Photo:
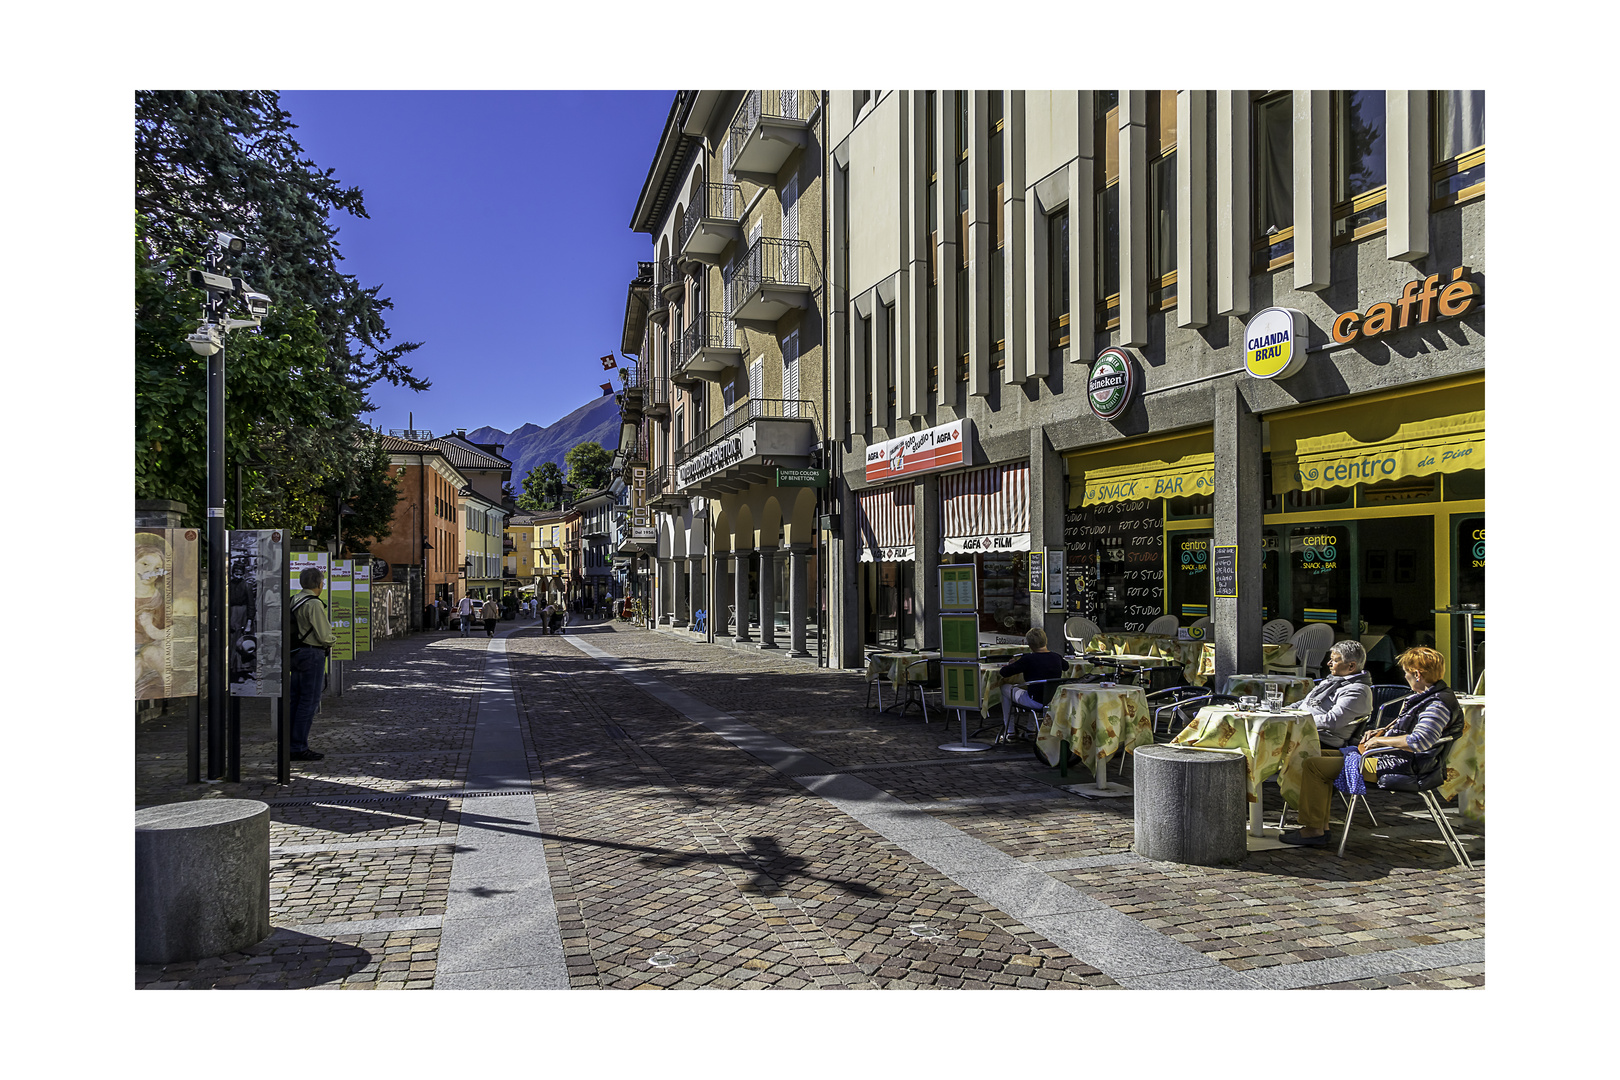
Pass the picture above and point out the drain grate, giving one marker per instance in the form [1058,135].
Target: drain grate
[341,800]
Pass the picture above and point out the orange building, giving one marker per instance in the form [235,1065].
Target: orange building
[426,532]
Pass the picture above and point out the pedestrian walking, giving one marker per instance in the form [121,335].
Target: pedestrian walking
[312,641]
[490,613]
[464,612]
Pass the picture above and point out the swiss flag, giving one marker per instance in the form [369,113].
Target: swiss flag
[609,362]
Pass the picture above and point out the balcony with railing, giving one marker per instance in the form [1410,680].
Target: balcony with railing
[658,307]
[643,394]
[713,222]
[770,126]
[747,446]
[710,345]
[776,276]
[671,282]
[661,490]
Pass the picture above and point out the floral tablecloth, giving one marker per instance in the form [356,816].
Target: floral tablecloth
[1095,720]
[1275,656]
[1294,687]
[1165,646]
[990,682]
[1465,768]
[1273,744]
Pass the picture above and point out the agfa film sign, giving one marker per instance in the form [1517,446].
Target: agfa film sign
[1274,343]
[948,446]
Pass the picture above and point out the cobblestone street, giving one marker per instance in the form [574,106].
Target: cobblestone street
[696,816]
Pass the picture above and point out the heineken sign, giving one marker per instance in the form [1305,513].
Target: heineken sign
[1113,384]
[815,478]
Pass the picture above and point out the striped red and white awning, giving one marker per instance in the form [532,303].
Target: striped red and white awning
[985,510]
[887,525]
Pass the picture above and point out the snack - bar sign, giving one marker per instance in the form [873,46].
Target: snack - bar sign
[949,446]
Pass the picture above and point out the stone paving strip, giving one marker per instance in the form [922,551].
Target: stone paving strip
[1130,950]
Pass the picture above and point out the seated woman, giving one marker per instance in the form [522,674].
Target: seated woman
[1424,717]
[1038,664]
[1342,700]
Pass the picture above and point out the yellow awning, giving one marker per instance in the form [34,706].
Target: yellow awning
[1190,477]
[1418,435]
[1172,466]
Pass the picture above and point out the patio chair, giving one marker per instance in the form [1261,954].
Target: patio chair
[880,681]
[1310,645]
[1181,705]
[1043,691]
[700,621]
[933,682]
[1384,696]
[1164,624]
[1077,630]
[1277,632]
[1428,773]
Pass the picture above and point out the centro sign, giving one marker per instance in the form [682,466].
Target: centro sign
[1112,385]
[1274,343]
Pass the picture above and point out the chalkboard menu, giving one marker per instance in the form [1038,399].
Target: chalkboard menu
[1124,543]
[1225,583]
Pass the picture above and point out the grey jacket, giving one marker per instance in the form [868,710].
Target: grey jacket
[1339,703]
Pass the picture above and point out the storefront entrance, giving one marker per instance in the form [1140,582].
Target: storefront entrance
[889,600]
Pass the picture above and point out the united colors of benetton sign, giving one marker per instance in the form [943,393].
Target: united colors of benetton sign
[949,446]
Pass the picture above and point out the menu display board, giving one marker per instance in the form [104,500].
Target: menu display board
[1225,571]
[958,589]
[1037,575]
[960,685]
[959,637]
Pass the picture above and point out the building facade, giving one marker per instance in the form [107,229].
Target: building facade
[729,334]
[1217,353]
[427,526]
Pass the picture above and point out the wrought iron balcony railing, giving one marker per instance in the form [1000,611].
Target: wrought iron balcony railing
[773,261]
[772,108]
[709,330]
[715,203]
[745,413]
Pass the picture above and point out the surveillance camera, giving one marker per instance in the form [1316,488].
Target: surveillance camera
[233,244]
[205,342]
[258,304]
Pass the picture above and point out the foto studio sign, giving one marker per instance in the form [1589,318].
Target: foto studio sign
[1274,343]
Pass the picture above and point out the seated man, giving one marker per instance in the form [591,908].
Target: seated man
[1344,699]
[1037,665]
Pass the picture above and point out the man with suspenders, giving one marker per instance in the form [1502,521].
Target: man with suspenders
[312,640]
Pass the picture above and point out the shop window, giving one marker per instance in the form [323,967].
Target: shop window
[1458,139]
[1469,484]
[963,248]
[1272,180]
[1161,238]
[998,230]
[1106,193]
[1319,568]
[1187,564]
[933,243]
[1409,489]
[1358,164]
[1182,509]
[1003,591]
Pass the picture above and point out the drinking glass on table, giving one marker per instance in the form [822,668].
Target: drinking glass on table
[1274,696]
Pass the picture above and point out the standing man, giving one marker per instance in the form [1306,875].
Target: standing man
[465,611]
[312,641]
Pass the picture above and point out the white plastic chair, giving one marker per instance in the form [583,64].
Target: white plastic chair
[1311,644]
[1077,630]
[1277,632]
[1164,624]
[1203,624]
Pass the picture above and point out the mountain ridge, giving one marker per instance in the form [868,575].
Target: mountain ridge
[529,446]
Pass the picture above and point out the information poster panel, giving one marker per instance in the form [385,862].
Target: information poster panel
[300,561]
[1225,572]
[255,576]
[958,588]
[1054,579]
[342,609]
[362,603]
[961,685]
[165,613]
[959,636]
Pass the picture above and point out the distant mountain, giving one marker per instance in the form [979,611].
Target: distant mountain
[531,445]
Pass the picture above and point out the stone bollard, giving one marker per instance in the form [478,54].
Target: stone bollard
[202,879]
[1191,805]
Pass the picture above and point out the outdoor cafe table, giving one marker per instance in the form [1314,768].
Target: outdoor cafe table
[990,680]
[1294,687]
[1097,722]
[1275,656]
[901,667]
[1273,744]
[1167,646]
[1465,768]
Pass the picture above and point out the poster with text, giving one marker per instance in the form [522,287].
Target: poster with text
[341,609]
[165,613]
[300,561]
[255,599]
[362,603]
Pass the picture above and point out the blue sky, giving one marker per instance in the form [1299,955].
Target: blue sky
[500,229]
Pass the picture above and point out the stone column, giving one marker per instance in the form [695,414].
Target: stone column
[694,586]
[1239,506]
[682,607]
[925,590]
[666,591]
[767,597]
[798,597]
[739,567]
[1045,524]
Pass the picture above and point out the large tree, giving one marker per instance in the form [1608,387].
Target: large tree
[588,467]
[296,389]
[542,488]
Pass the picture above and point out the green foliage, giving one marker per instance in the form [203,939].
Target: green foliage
[542,488]
[588,467]
[296,388]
